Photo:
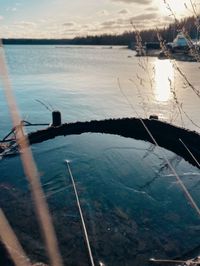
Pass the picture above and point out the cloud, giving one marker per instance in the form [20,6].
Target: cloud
[143,17]
[142,2]
[108,23]
[42,20]
[69,24]
[13,9]
[1,17]
[102,13]
[151,8]
[124,11]
[121,24]
[24,24]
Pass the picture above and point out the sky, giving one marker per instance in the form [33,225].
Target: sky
[70,18]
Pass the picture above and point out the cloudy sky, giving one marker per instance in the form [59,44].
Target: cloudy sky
[70,18]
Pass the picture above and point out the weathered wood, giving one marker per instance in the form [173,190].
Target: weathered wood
[165,134]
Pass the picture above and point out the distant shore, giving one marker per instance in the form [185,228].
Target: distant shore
[75,41]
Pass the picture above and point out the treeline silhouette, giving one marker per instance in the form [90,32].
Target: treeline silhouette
[128,38]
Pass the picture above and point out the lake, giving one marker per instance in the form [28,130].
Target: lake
[133,206]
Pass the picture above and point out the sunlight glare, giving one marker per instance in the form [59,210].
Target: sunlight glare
[164,78]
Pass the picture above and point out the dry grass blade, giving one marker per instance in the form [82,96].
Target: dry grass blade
[189,151]
[31,171]
[11,243]
[81,215]
[179,181]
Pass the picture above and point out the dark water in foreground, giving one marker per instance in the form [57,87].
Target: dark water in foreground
[133,207]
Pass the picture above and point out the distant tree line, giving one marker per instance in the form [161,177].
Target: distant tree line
[169,33]
[127,38]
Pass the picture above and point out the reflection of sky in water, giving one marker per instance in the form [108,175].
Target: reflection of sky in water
[164,79]
[82,84]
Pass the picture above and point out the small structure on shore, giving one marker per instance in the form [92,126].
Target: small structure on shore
[154,117]
[149,49]
[152,48]
[56,119]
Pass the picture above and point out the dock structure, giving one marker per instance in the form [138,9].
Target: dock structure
[167,135]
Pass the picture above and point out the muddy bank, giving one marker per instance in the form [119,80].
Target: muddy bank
[166,135]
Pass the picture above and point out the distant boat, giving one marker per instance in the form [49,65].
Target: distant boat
[181,49]
[179,44]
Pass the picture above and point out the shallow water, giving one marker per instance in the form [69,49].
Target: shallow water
[133,206]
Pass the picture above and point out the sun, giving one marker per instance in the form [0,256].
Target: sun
[179,7]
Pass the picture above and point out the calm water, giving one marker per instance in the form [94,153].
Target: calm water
[83,84]
[133,206]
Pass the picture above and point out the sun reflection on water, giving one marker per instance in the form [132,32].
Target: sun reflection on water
[164,80]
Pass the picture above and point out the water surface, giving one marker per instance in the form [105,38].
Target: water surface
[133,207]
